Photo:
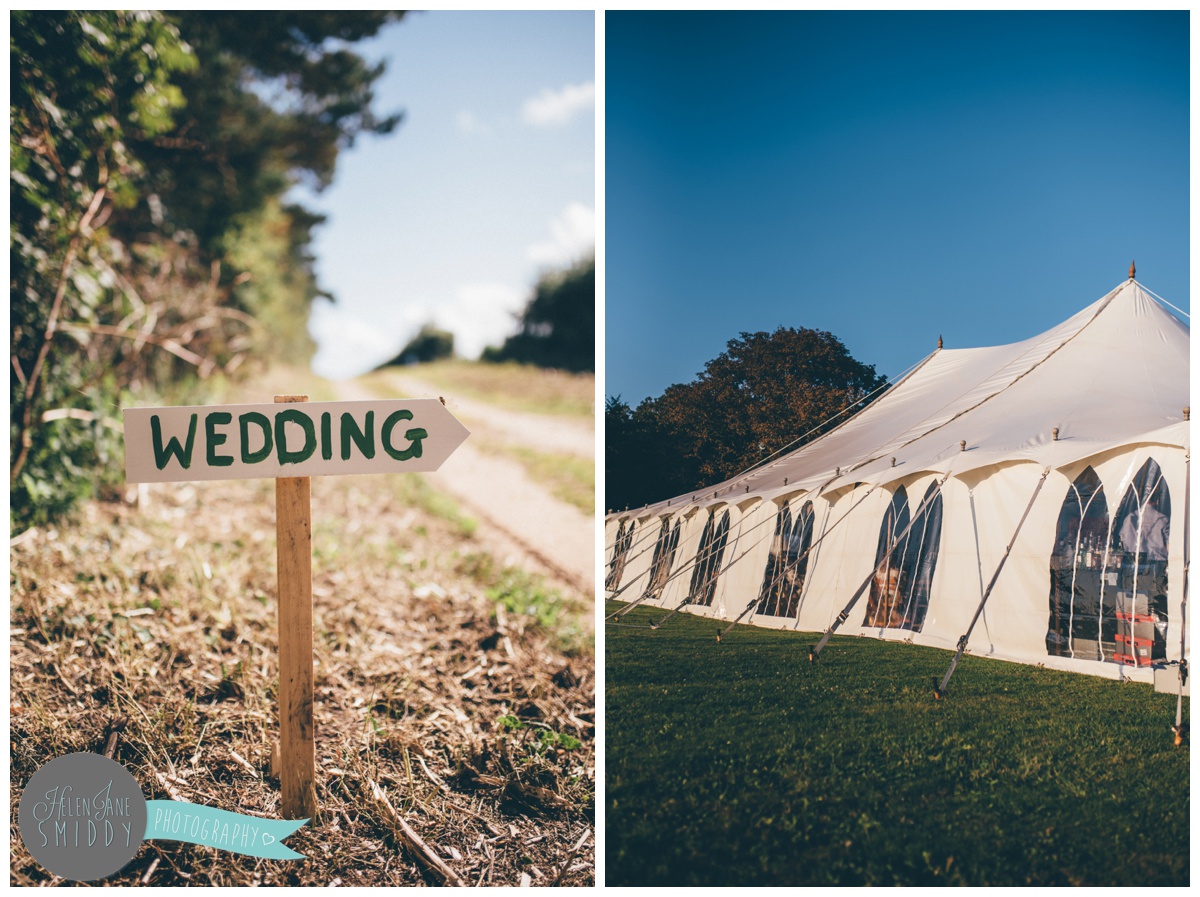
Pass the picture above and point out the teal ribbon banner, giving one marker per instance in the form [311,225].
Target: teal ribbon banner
[174,820]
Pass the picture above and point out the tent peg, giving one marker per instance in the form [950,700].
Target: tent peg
[1054,433]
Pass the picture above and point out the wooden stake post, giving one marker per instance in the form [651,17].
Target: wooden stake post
[297,748]
[182,444]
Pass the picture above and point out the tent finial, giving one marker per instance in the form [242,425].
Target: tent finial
[1132,271]
[939,341]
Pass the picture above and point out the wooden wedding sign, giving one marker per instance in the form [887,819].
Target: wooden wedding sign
[290,444]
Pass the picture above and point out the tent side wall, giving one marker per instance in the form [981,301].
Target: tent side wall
[980,514]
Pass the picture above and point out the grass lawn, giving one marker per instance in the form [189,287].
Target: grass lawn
[738,763]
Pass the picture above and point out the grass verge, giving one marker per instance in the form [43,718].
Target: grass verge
[738,763]
[514,591]
[518,387]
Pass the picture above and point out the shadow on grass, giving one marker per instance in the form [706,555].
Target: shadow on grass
[739,763]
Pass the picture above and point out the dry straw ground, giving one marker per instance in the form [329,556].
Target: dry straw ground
[455,696]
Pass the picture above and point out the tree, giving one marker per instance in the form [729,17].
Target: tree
[82,84]
[429,344]
[149,236]
[273,99]
[761,395]
[558,325]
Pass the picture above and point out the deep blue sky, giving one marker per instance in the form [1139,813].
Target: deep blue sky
[887,177]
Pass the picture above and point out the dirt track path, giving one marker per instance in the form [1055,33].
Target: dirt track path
[518,517]
[537,431]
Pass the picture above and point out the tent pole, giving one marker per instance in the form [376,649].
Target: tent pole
[939,690]
[815,651]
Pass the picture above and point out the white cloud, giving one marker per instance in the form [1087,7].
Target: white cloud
[348,346]
[572,235]
[557,107]
[469,124]
[478,314]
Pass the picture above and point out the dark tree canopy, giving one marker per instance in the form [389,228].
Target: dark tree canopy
[430,344]
[760,395]
[558,326]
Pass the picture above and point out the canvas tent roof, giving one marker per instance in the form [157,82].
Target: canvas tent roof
[1113,374]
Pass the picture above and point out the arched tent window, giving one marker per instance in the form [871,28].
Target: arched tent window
[1077,571]
[887,573]
[787,564]
[900,589]
[616,565]
[664,556]
[1137,569]
[708,560]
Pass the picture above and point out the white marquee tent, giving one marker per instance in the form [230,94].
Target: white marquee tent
[1044,481]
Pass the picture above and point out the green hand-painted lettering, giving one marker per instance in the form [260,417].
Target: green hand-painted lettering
[161,455]
[264,424]
[212,438]
[364,440]
[326,435]
[286,455]
[415,435]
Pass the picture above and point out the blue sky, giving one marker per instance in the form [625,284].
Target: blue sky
[489,180]
[887,177]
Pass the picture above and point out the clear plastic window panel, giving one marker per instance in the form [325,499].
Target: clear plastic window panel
[1108,579]
[708,561]
[664,556]
[905,563]
[1077,571]
[787,563]
[1137,569]
[616,566]
[888,555]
